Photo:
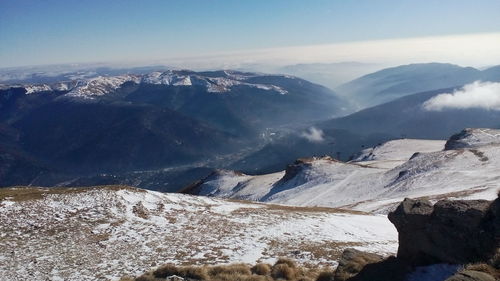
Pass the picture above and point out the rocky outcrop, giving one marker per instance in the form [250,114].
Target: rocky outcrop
[457,232]
[471,137]
[454,232]
[390,269]
[294,169]
[352,262]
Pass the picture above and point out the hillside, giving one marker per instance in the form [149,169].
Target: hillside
[103,233]
[378,178]
[408,117]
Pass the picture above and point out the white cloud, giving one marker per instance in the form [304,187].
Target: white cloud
[485,95]
[313,135]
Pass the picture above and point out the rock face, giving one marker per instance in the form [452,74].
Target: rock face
[457,232]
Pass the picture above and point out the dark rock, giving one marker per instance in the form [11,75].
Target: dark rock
[390,269]
[470,275]
[352,262]
[456,140]
[456,232]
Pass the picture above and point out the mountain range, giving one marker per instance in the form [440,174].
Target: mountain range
[164,129]
[104,127]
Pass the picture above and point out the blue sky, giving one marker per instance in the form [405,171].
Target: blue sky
[36,32]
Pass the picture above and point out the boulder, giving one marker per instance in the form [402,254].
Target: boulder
[390,269]
[352,262]
[456,232]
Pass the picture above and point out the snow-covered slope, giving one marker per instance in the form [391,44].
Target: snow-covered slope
[101,85]
[104,233]
[378,178]
[396,152]
[470,138]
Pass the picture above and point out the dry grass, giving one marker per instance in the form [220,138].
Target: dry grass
[192,272]
[311,209]
[25,193]
[283,269]
[292,209]
[261,269]
[233,269]
[308,250]
[286,261]
[485,268]
[326,276]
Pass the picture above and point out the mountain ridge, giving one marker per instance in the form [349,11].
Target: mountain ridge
[377,179]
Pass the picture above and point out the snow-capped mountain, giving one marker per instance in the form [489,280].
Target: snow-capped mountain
[102,85]
[378,178]
[116,129]
[104,233]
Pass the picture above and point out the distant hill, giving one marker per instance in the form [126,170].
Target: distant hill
[329,74]
[392,83]
[406,117]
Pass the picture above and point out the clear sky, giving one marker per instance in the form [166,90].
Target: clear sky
[36,32]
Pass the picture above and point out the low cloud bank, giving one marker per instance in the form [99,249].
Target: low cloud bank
[313,135]
[483,95]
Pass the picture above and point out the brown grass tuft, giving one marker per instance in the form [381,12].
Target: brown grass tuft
[165,271]
[326,276]
[286,261]
[283,271]
[193,272]
[261,269]
[232,269]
